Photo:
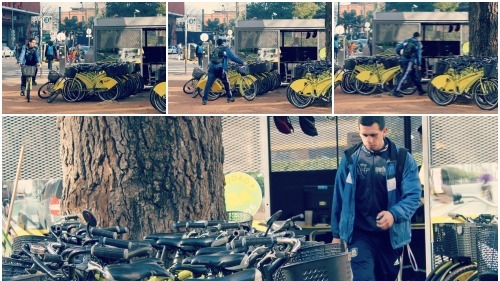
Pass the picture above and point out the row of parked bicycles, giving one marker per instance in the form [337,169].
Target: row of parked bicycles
[312,81]
[459,76]
[256,78]
[222,250]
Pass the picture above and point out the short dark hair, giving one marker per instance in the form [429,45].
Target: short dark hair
[31,39]
[370,120]
[220,42]
[416,34]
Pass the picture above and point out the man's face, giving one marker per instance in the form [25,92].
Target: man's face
[372,136]
[32,43]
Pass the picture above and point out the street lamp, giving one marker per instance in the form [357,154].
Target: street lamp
[272,16]
[136,12]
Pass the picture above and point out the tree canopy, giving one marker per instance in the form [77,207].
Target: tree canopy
[122,9]
[265,10]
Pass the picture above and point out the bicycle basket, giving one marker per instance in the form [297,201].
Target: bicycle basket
[299,72]
[456,239]
[53,76]
[350,64]
[70,72]
[243,70]
[332,268]
[441,67]
[241,217]
[487,249]
[198,73]
[491,70]
[390,62]
[28,70]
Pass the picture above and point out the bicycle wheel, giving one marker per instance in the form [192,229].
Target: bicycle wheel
[439,270]
[407,88]
[53,96]
[297,99]
[159,103]
[365,88]
[45,90]
[28,88]
[347,85]
[196,93]
[485,92]
[190,86]
[247,88]
[439,97]
[461,273]
[72,90]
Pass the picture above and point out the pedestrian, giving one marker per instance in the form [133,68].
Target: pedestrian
[336,46]
[217,68]
[29,56]
[17,51]
[369,43]
[410,52]
[179,51]
[50,54]
[351,48]
[199,53]
[375,195]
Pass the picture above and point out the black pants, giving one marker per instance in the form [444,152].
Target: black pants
[200,59]
[213,74]
[23,78]
[375,258]
[409,71]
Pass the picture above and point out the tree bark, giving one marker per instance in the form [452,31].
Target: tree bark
[483,28]
[328,29]
[144,173]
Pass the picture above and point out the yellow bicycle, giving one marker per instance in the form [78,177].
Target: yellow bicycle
[238,80]
[316,84]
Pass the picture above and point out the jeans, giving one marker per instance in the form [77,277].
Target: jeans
[200,60]
[49,64]
[213,74]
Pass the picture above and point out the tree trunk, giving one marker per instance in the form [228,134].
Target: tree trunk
[144,173]
[328,30]
[483,28]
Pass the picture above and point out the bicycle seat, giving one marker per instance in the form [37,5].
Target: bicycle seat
[216,261]
[198,242]
[197,270]
[135,271]
[156,236]
[245,275]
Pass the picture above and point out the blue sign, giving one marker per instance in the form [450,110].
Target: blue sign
[46,20]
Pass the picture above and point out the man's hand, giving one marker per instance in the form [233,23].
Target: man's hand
[385,220]
[245,63]
[336,241]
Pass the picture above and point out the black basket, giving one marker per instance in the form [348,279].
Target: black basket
[456,239]
[243,70]
[53,76]
[241,217]
[332,268]
[198,73]
[350,64]
[487,249]
[491,70]
[441,67]
[390,62]
[254,68]
[28,70]
[299,72]
[274,66]
[161,74]
[70,72]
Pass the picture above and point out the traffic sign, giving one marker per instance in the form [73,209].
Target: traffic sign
[230,32]
[46,19]
[89,31]
[204,37]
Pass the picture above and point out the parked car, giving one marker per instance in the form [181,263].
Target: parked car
[49,210]
[172,50]
[7,52]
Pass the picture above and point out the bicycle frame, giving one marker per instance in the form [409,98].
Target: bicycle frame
[161,89]
[377,76]
[456,85]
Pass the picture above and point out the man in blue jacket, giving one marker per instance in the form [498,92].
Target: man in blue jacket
[217,68]
[29,56]
[371,209]
[411,62]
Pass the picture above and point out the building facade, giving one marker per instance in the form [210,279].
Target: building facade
[16,22]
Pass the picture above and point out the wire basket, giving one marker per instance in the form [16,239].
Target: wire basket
[241,217]
[28,70]
[198,73]
[441,67]
[332,268]
[299,72]
[487,249]
[456,239]
[491,70]
[53,76]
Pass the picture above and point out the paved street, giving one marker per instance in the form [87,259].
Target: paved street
[13,103]
[269,103]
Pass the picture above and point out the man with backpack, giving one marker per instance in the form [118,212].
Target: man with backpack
[199,53]
[50,54]
[29,56]
[377,190]
[217,68]
[411,60]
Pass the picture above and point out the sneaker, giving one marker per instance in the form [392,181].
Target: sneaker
[423,93]
[34,83]
[22,93]
[204,102]
[230,100]
[396,94]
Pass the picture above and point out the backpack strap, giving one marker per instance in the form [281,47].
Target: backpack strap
[349,152]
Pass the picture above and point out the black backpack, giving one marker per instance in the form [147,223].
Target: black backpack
[217,55]
[410,49]
[400,160]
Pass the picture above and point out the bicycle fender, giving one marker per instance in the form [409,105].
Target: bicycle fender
[59,85]
[441,81]
[338,77]
[389,74]
[106,83]
[465,84]
[367,76]
[298,85]
[161,89]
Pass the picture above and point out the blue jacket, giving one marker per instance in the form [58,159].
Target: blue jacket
[416,59]
[22,56]
[227,55]
[402,206]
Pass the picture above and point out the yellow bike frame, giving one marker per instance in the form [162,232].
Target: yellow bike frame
[456,84]
[378,76]
[161,89]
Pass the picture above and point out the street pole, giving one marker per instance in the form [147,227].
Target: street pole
[185,43]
